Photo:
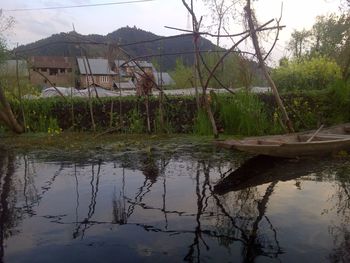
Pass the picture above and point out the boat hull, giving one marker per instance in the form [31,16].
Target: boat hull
[332,140]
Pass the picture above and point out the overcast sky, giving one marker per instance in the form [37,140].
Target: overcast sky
[151,16]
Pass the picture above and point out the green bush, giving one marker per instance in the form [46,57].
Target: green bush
[307,74]
[339,97]
[245,114]
[202,125]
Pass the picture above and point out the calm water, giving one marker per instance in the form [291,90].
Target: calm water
[156,207]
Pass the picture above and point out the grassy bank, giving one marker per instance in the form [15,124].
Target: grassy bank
[242,114]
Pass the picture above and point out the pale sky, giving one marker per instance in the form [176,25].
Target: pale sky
[150,16]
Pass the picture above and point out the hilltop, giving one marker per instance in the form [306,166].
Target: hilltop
[65,44]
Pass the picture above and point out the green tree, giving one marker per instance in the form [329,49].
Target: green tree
[299,42]
[307,74]
[182,75]
[329,37]
[6,115]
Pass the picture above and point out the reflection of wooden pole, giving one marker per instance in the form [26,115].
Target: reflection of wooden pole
[147,113]
[255,40]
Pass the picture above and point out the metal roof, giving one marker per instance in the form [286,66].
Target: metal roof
[119,62]
[142,63]
[165,77]
[99,66]
[145,64]
[125,85]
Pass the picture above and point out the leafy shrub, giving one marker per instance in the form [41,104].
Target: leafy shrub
[202,125]
[245,114]
[313,74]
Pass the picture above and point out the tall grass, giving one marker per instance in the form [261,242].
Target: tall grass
[202,125]
[244,114]
[136,122]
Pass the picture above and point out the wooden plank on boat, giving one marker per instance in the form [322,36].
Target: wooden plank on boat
[313,136]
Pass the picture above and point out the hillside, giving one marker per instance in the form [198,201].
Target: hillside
[65,44]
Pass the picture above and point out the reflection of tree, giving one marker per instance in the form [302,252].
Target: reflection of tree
[341,232]
[30,192]
[85,224]
[151,170]
[194,248]
[8,214]
[119,204]
[242,227]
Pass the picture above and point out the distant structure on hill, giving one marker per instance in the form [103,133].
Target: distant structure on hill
[82,72]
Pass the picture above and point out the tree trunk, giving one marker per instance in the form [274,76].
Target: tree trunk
[7,115]
[196,37]
[254,37]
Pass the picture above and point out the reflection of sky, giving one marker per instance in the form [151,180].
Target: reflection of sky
[302,226]
[296,215]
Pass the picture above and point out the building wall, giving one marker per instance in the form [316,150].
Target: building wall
[104,81]
[59,77]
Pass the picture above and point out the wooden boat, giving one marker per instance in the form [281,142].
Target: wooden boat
[310,143]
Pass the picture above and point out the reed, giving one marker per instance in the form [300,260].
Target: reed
[243,114]
[202,125]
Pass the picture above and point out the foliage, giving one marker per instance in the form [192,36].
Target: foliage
[202,125]
[299,42]
[316,73]
[329,37]
[136,123]
[240,114]
[245,114]
[6,22]
[339,97]
[182,75]
[164,127]
[235,71]
[304,110]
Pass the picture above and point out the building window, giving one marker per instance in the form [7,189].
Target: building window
[53,71]
[89,79]
[62,70]
[43,69]
[103,79]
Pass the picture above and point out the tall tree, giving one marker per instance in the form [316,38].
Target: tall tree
[329,37]
[6,114]
[299,42]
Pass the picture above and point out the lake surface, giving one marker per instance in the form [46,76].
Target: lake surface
[163,206]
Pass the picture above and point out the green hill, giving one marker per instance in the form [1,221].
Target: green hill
[68,44]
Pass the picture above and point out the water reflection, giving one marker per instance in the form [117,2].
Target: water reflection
[156,207]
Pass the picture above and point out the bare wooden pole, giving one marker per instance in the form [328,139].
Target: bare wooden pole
[196,37]
[255,40]
[161,93]
[20,95]
[90,99]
